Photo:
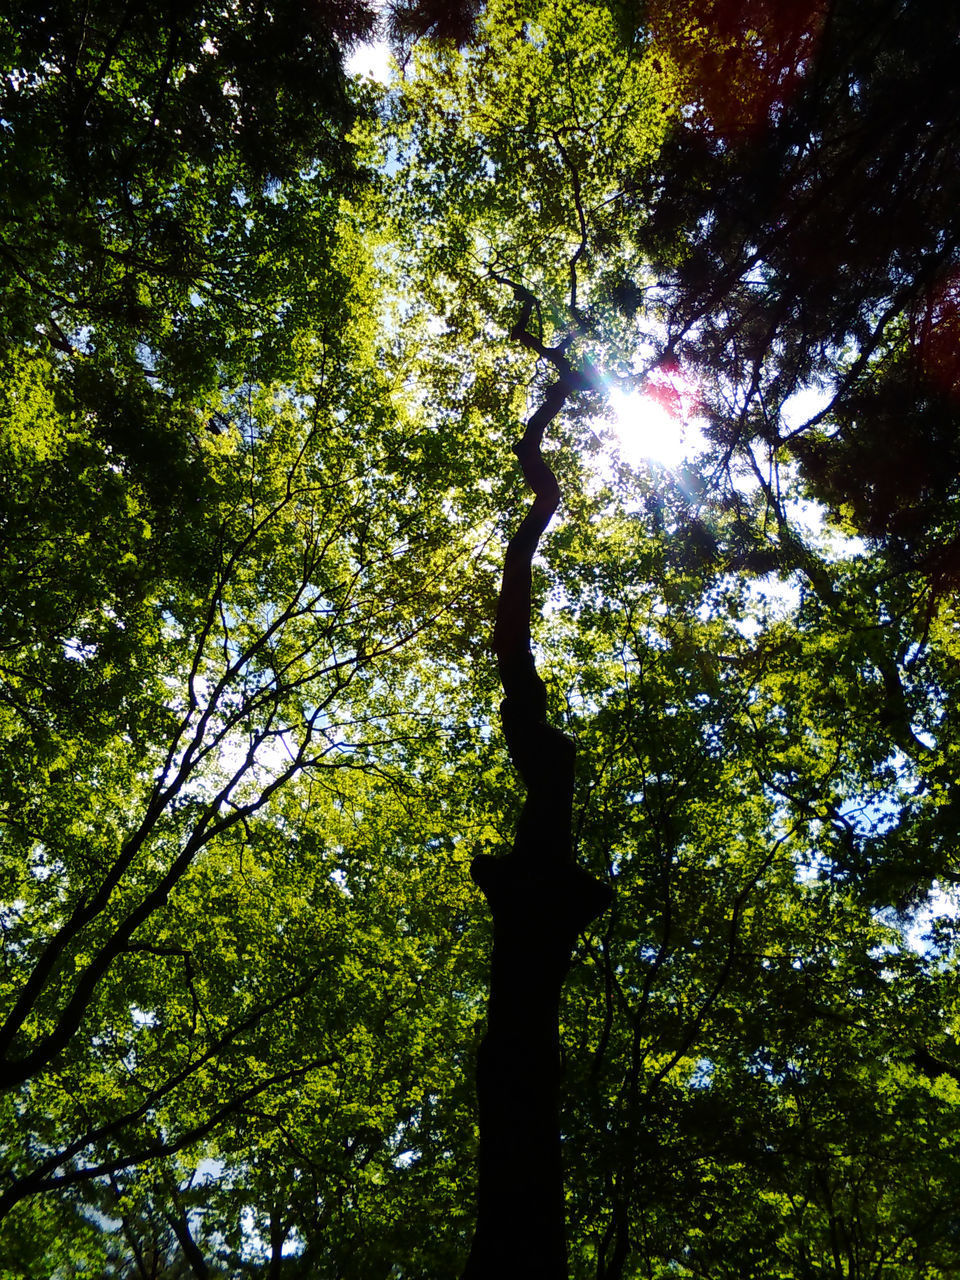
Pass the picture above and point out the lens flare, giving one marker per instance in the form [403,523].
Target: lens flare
[658,422]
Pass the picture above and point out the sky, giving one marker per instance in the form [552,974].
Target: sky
[370,59]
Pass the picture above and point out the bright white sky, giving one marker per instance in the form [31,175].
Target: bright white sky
[647,430]
[372,60]
[659,421]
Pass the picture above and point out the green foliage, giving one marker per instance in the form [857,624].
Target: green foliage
[742,1032]
[257,393]
[519,154]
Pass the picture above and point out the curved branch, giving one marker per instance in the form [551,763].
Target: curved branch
[581,219]
[541,754]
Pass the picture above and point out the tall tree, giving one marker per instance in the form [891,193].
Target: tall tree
[541,901]
[697,257]
[203,595]
[252,495]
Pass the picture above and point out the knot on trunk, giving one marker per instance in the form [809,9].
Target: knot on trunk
[546,906]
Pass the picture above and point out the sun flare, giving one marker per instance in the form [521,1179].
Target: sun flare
[658,423]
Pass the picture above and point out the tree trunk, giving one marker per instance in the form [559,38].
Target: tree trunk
[541,901]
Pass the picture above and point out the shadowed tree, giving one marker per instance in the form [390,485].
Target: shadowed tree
[206,573]
[541,901]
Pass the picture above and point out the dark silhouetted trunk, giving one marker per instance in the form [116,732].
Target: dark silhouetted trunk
[540,901]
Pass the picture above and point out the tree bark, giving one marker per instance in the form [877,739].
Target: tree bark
[541,901]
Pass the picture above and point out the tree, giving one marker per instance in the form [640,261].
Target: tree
[541,900]
[201,603]
[281,543]
[738,302]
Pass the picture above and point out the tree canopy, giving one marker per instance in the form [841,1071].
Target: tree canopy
[269,333]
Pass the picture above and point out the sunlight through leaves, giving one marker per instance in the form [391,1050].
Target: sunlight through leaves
[659,423]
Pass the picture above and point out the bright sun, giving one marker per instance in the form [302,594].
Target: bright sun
[659,423]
